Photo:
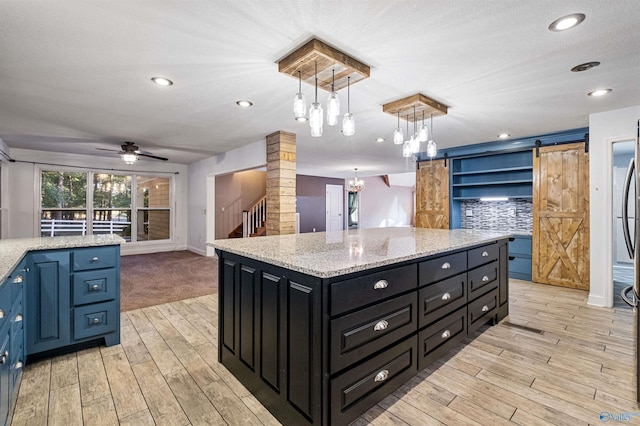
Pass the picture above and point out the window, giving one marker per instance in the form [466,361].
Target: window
[107,206]
[63,204]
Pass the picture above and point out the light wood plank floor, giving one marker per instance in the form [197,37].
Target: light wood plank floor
[165,372]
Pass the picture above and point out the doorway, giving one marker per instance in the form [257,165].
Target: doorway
[623,152]
[353,202]
[335,207]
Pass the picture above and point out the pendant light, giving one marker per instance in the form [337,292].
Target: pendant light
[300,102]
[423,131]
[348,123]
[355,185]
[315,113]
[333,104]
[406,146]
[398,137]
[414,143]
[432,149]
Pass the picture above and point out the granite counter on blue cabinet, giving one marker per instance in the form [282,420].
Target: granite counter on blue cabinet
[56,293]
[322,326]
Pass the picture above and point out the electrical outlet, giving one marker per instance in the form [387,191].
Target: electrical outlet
[468,213]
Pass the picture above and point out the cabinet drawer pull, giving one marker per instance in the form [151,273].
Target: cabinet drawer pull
[2,313]
[25,270]
[382,376]
[3,358]
[446,296]
[446,265]
[485,279]
[96,320]
[446,334]
[381,284]
[380,325]
[18,317]
[18,279]
[95,259]
[485,254]
[18,365]
[485,308]
[95,287]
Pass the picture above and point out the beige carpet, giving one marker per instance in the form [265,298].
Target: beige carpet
[152,279]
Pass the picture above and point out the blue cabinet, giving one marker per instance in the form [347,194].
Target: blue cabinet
[520,257]
[74,297]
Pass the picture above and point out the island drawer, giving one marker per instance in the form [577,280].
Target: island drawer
[356,292]
[485,254]
[355,391]
[94,286]
[438,338]
[482,310]
[94,258]
[482,279]
[443,267]
[94,320]
[5,302]
[360,334]
[437,300]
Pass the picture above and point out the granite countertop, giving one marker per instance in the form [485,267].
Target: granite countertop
[13,250]
[329,254]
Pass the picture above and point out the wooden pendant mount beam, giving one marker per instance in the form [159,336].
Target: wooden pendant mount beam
[328,59]
[421,102]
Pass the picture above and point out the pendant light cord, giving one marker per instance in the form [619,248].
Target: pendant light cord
[348,95]
[316,62]
[333,79]
[299,81]
[432,127]
[398,119]
[414,120]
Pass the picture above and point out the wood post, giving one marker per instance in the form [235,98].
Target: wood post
[281,183]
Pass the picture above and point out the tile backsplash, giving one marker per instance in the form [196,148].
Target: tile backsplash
[512,216]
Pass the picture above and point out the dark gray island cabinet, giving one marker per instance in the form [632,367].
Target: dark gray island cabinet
[323,347]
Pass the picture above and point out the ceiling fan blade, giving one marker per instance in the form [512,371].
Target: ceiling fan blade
[153,156]
[112,150]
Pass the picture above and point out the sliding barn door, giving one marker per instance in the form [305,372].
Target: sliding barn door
[432,195]
[561,216]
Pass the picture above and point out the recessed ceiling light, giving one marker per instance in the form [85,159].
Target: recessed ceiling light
[244,104]
[380,139]
[504,135]
[301,119]
[585,67]
[566,22]
[161,81]
[599,92]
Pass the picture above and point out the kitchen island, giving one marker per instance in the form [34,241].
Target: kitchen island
[321,326]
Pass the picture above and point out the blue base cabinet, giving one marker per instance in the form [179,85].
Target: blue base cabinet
[520,257]
[73,297]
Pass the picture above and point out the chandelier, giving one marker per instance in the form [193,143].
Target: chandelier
[355,185]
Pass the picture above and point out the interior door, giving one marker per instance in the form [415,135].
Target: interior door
[561,216]
[335,207]
[432,195]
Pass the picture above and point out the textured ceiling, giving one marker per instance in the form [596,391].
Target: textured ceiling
[75,75]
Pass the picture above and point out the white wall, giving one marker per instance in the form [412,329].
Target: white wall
[382,206]
[24,191]
[201,204]
[604,129]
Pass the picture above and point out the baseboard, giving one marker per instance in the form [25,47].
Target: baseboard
[149,248]
[599,301]
[196,250]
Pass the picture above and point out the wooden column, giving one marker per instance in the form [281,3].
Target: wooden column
[281,183]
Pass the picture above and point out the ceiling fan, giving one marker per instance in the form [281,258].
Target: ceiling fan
[130,153]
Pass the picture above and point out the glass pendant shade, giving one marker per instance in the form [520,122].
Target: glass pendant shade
[333,109]
[300,107]
[406,149]
[414,144]
[398,136]
[423,133]
[348,125]
[432,149]
[315,119]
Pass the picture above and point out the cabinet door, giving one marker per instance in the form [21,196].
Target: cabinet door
[561,216]
[5,373]
[48,301]
[432,195]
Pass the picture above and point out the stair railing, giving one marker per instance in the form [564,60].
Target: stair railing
[254,217]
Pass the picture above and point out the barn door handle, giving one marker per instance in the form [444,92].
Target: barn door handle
[633,302]
[625,208]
